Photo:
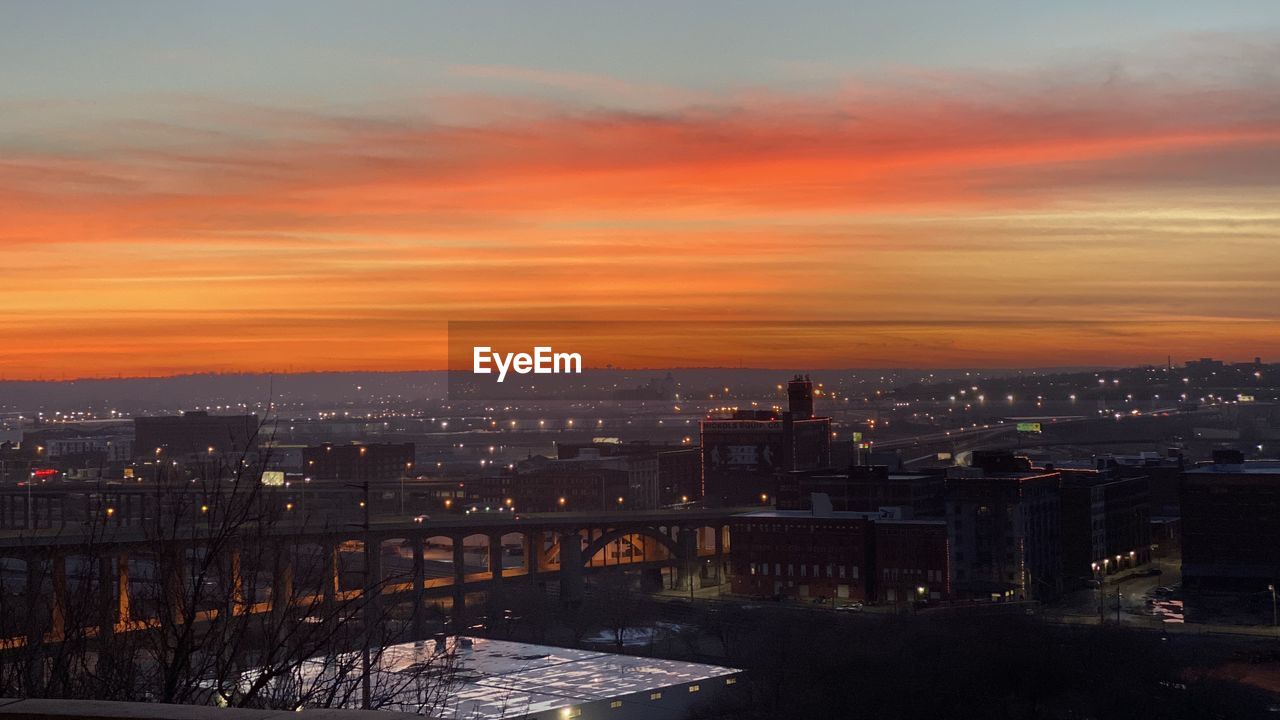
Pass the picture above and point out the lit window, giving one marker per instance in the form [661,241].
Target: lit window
[615,704]
[731,681]
[695,688]
[655,696]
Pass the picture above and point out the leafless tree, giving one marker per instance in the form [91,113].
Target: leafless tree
[227,605]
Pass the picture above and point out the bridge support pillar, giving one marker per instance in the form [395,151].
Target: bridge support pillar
[281,585]
[122,588]
[687,564]
[459,579]
[571,586]
[651,580]
[108,600]
[235,580]
[35,623]
[108,604]
[175,583]
[720,567]
[419,589]
[59,617]
[495,558]
[532,554]
[372,600]
[330,576]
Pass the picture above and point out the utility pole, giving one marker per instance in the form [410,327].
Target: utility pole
[366,688]
[366,680]
[1275,618]
[1102,591]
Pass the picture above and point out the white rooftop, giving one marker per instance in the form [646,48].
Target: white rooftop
[502,679]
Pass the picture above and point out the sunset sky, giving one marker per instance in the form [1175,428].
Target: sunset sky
[191,187]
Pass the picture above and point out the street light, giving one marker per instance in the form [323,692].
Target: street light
[1275,619]
[407,467]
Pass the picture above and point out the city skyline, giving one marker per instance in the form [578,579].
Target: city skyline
[311,189]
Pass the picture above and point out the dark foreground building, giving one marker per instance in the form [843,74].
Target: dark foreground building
[357,463]
[194,432]
[1231,524]
[1004,519]
[865,488]
[839,556]
[678,467]
[1106,522]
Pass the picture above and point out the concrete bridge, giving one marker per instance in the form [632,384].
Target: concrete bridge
[391,561]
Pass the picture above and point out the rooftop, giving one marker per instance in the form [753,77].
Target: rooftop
[1252,467]
[833,515]
[503,679]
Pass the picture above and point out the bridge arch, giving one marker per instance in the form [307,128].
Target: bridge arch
[608,538]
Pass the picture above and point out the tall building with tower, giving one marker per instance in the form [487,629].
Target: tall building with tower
[742,453]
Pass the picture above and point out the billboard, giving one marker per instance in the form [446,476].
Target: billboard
[1029,427]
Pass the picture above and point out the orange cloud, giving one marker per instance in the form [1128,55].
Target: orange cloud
[304,241]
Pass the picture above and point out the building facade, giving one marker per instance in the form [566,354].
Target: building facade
[1004,525]
[362,462]
[194,433]
[1106,523]
[1231,525]
[839,556]
[742,454]
[865,488]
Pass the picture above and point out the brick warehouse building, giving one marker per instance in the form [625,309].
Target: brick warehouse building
[741,454]
[840,555]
